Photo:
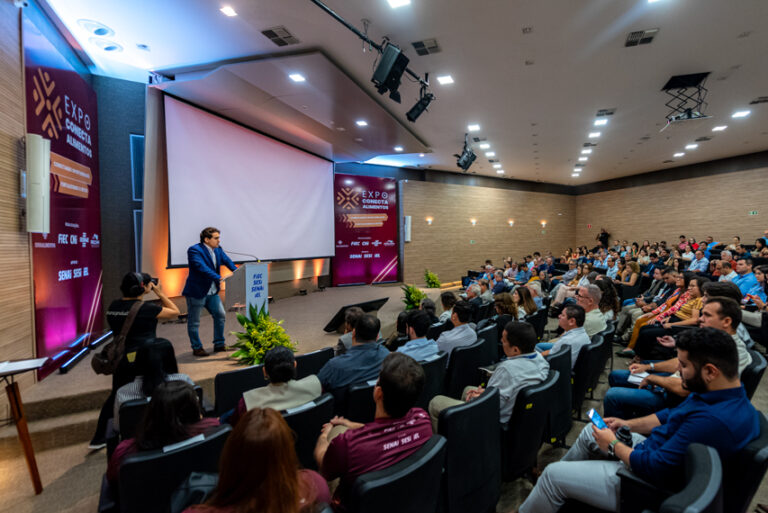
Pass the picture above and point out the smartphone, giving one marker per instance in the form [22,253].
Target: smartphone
[596,419]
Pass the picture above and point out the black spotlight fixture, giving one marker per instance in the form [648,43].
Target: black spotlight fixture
[391,67]
[467,156]
[425,99]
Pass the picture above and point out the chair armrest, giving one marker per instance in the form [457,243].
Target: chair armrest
[638,495]
[107,500]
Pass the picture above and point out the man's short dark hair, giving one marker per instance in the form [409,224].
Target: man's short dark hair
[279,364]
[653,255]
[401,381]
[536,253]
[448,299]
[708,345]
[722,289]
[463,310]
[747,261]
[367,329]
[207,233]
[418,320]
[727,307]
[352,315]
[575,312]
[521,335]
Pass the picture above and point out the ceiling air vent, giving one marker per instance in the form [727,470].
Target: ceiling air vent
[589,144]
[280,36]
[426,47]
[703,138]
[641,37]
[605,112]
[479,139]
[667,161]
[759,99]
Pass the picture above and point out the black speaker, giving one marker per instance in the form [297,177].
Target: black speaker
[391,67]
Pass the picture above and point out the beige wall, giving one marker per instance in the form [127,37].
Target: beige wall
[445,247]
[710,205]
[16,335]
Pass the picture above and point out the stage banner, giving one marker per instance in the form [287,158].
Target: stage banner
[366,230]
[61,106]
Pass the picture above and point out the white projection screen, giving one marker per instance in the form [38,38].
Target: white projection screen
[269,200]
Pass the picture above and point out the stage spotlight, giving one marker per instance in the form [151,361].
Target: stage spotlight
[420,107]
[467,156]
[391,67]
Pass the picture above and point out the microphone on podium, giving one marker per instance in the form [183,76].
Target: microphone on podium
[241,254]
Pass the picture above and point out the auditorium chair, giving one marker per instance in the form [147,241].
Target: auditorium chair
[434,378]
[131,415]
[434,331]
[586,370]
[753,373]
[306,421]
[522,435]
[360,404]
[229,386]
[147,479]
[560,421]
[630,291]
[538,321]
[490,336]
[409,486]
[463,368]
[483,312]
[472,475]
[311,363]
[607,356]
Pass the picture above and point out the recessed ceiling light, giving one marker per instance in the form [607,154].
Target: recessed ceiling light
[361,122]
[484,146]
[594,135]
[473,127]
[394,4]
[575,175]
[601,122]
[105,44]
[497,166]
[586,152]
[96,28]
[577,169]
[719,128]
[691,146]
[583,159]
[679,154]
[652,1]
[741,114]
[490,153]
[228,11]
[421,154]
[398,148]
[297,77]
[500,171]
[445,80]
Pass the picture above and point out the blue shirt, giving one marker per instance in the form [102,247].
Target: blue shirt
[747,283]
[419,349]
[523,275]
[701,265]
[361,362]
[723,419]
[611,272]
[600,264]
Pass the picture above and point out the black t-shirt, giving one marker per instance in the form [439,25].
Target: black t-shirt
[144,324]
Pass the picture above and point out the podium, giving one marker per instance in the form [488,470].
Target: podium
[248,285]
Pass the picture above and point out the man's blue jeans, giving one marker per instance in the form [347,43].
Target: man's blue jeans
[626,401]
[212,303]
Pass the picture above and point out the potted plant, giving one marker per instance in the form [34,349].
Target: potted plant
[261,334]
[413,297]
[433,282]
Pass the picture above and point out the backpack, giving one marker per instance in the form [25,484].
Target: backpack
[107,360]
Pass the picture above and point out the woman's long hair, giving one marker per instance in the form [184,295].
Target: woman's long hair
[173,408]
[259,470]
[505,305]
[526,301]
[610,298]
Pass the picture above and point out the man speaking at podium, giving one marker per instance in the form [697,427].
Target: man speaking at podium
[202,288]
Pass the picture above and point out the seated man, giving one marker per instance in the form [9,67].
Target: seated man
[462,333]
[416,327]
[726,271]
[473,296]
[348,449]
[571,319]
[700,264]
[499,285]
[648,301]
[745,279]
[716,413]
[486,295]
[360,363]
[588,297]
[523,367]
[351,315]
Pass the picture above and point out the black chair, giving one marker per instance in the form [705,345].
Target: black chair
[490,336]
[629,292]
[750,376]
[522,436]
[703,492]
[539,321]
[360,404]
[409,486]
[472,475]
[586,370]
[483,312]
[131,415]
[147,479]
[434,331]
[311,363]
[434,379]
[229,386]
[306,421]
[560,421]
[463,368]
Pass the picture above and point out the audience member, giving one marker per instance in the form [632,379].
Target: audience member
[609,304]
[418,347]
[485,290]
[571,320]
[588,297]
[399,336]
[745,279]
[462,333]
[522,298]
[429,306]
[473,296]
[351,316]
[447,299]
[699,264]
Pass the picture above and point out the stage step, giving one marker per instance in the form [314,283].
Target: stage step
[50,433]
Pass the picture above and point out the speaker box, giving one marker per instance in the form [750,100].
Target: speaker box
[407,229]
[38,184]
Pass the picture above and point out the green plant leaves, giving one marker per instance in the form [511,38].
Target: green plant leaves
[413,297]
[261,333]
[431,278]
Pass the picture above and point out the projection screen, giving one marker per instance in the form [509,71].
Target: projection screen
[270,200]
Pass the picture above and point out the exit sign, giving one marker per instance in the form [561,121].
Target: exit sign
[753,212]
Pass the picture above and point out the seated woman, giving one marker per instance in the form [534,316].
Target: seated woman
[609,301]
[399,336]
[629,275]
[642,258]
[506,310]
[523,300]
[565,291]
[429,306]
[759,295]
[173,416]
[259,471]
[154,365]
[284,391]
[535,288]
[688,254]
[447,299]
[759,247]
[142,332]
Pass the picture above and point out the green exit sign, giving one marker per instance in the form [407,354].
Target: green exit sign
[753,212]
[472,241]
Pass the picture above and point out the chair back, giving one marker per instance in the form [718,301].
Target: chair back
[522,435]
[306,421]
[360,404]
[539,321]
[483,312]
[490,336]
[409,486]
[472,475]
[434,379]
[703,492]
[586,371]
[463,368]
[311,363]
[744,471]
[131,415]
[228,387]
[750,376]
[147,479]
[434,331]
[560,421]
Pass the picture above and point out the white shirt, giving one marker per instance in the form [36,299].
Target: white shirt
[213,289]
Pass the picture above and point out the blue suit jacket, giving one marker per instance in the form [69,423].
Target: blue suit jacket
[202,271]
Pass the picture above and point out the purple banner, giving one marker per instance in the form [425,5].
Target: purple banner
[366,230]
[61,106]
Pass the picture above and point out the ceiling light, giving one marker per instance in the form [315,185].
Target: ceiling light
[398,148]
[473,128]
[586,152]
[652,1]
[500,171]
[421,154]
[691,146]
[445,80]
[96,28]
[484,146]
[601,122]
[583,159]
[741,114]
[490,153]
[105,44]
[297,77]
[593,135]
[228,11]
[577,169]
[575,175]
[417,110]
[719,128]
[497,166]
[679,154]
[361,122]
[394,4]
